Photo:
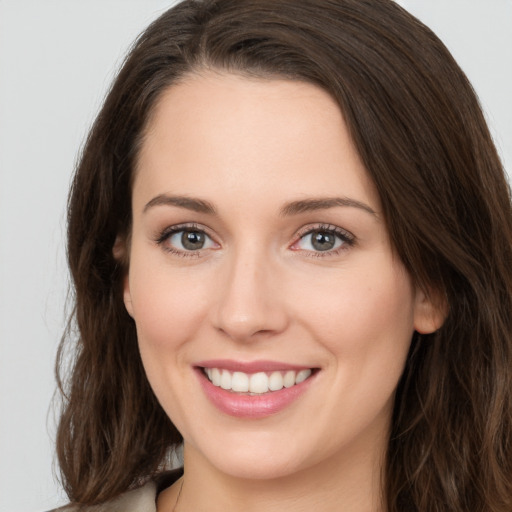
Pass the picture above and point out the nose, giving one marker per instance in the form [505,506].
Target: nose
[250,303]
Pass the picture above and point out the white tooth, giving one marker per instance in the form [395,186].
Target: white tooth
[289,379]
[258,383]
[215,376]
[240,382]
[275,382]
[225,379]
[302,376]
[208,372]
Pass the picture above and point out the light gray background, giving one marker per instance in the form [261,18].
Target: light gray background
[57,58]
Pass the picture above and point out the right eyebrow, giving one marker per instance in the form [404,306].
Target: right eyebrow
[189,203]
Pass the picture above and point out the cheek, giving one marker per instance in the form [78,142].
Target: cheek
[168,307]
[169,310]
[364,317]
[366,325]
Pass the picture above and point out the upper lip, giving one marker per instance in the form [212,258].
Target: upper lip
[251,366]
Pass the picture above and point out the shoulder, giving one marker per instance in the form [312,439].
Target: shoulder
[142,499]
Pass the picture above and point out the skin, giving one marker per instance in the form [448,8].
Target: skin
[259,290]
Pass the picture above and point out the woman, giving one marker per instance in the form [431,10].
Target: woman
[290,238]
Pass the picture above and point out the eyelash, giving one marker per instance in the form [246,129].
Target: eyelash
[348,239]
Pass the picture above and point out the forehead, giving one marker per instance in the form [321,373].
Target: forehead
[251,136]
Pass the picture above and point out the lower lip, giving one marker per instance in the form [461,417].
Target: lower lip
[252,406]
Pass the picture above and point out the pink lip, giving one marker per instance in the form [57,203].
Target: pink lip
[251,406]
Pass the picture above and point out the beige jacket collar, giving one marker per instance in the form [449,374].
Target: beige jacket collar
[142,499]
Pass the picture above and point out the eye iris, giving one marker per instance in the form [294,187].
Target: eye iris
[323,240]
[192,240]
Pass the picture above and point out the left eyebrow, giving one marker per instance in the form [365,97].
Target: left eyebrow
[309,205]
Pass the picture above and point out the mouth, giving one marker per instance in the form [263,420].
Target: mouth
[254,390]
[258,383]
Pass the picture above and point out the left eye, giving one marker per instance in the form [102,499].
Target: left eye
[190,240]
[320,240]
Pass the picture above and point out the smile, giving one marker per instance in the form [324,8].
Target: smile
[254,390]
[255,383]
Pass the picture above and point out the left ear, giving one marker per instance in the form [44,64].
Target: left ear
[120,251]
[430,311]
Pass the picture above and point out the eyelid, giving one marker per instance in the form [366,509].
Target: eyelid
[161,234]
[309,228]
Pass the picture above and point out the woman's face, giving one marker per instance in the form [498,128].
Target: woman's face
[259,260]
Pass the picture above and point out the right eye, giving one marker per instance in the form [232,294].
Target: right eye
[190,240]
[183,240]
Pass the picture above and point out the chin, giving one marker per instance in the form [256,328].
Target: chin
[257,468]
[254,459]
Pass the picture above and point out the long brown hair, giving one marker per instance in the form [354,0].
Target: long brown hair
[420,132]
